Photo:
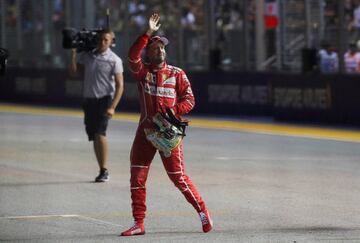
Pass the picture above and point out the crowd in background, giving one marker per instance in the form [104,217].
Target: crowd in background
[329,59]
[229,14]
[125,17]
[328,53]
[191,15]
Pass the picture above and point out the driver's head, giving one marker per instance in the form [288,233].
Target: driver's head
[155,50]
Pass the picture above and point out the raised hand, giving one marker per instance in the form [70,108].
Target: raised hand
[154,24]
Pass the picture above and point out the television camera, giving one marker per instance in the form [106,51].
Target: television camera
[85,39]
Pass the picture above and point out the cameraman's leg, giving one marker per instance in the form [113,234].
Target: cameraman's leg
[96,124]
[101,124]
[89,118]
[101,150]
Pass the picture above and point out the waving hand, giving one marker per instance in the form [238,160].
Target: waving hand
[154,24]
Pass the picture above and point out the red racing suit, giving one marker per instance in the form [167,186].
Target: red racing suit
[158,88]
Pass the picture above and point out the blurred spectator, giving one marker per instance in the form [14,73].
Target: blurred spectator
[188,19]
[355,24]
[137,11]
[229,15]
[352,59]
[138,20]
[27,20]
[135,6]
[11,14]
[58,15]
[117,15]
[169,19]
[349,9]
[330,12]
[328,59]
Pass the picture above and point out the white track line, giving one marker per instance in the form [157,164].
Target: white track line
[97,221]
[41,216]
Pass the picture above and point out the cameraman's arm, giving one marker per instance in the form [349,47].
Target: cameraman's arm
[119,89]
[74,66]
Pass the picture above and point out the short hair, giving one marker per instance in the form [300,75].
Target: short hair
[107,31]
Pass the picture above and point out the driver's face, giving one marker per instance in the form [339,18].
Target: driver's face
[156,53]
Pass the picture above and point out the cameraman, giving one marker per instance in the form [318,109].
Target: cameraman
[102,91]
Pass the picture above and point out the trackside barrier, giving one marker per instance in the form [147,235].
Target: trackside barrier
[296,97]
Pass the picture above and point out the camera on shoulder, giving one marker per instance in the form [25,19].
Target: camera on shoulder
[84,40]
[4,55]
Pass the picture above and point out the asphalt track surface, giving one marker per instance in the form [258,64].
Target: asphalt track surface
[263,182]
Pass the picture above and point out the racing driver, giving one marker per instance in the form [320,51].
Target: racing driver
[160,86]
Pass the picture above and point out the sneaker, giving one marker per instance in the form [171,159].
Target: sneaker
[103,176]
[136,229]
[207,223]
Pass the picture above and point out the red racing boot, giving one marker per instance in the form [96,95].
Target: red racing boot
[136,229]
[207,223]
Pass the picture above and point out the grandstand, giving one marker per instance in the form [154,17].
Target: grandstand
[31,29]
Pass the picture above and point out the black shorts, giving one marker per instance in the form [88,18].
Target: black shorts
[95,120]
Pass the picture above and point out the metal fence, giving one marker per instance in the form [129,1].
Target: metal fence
[204,34]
